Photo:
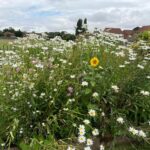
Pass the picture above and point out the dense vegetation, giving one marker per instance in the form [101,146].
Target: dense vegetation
[145,36]
[67,95]
[11,32]
[63,35]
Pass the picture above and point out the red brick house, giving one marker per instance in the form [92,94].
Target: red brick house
[113,30]
[144,28]
[128,33]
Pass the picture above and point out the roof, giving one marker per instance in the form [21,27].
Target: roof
[128,31]
[113,30]
[144,28]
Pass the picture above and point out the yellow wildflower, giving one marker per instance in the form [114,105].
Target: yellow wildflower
[94,62]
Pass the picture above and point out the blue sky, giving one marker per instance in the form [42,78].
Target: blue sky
[58,15]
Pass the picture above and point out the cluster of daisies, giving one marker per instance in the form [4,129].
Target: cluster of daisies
[82,137]
[132,130]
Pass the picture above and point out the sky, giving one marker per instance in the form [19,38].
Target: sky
[62,15]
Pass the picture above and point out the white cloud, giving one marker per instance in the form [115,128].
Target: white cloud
[55,15]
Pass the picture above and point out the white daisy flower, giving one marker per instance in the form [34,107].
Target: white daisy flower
[145,93]
[84,83]
[81,139]
[141,134]
[95,132]
[92,113]
[89,142]
[72,76]
[133,131]
[102,147]
[115,88]
[70,148]
[87,148]
[95,94]
[140,66]
[86,121]
[120,120]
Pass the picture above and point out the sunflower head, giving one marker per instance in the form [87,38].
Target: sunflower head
[94,62]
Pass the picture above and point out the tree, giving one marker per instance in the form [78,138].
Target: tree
[10,29]
[136,28]
[1,33]
[85,25]
[145,35]
[81,26]
[19,33]
[63,35]
[85,21]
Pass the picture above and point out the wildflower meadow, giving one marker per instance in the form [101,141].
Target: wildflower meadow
[85,94]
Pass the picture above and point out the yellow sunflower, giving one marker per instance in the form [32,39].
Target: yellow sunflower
[94,62]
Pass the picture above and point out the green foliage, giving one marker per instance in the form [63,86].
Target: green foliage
[19,33]
[80,29]
[1,33]
[46,94]
[11,31]
[136,28]
[63,35]
[85,21]
[145,36]
[79,24]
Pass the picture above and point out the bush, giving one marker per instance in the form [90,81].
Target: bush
[63,35]
[145,36]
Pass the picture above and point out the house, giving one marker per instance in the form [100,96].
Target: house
[113,30]
[9,35]
[128,33]
[144,28]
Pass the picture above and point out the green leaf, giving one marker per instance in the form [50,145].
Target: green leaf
[24,146]
[93,83]
[88,91]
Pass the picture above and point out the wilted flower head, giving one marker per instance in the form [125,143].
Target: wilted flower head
[70,89]
[39,66]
